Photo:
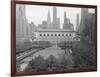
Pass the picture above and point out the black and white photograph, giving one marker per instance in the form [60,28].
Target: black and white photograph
[50,38]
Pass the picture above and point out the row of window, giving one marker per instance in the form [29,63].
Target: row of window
[55,35]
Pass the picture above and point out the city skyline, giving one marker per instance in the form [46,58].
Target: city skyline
[24,27]
[34,13]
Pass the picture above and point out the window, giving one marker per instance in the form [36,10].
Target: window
[40,34]
[69,34]
[58,34]
[66,35]
[51,34]
[62,34]
[44,35]
[55,34]
[47,34]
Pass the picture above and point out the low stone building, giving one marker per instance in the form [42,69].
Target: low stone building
[55,35]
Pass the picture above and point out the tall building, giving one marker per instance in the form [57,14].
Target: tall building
[55,24]
[77,22]
[65,16]
[67,24]
[21,21]
[49,20]
[89,29]
[84,13]
[20,11]
[84,16]
[54,14]
[31,29]
[56,21]
[44,25]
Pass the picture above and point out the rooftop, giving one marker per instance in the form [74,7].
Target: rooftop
[55,30]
